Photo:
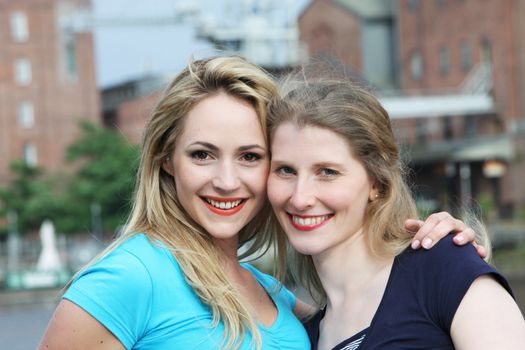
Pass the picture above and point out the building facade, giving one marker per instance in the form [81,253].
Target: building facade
[464,48]
[127,106]
[337,30]
[455,98]
[47,81]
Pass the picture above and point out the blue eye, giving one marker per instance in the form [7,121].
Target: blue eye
[328,172]
[200,155]
[285,170]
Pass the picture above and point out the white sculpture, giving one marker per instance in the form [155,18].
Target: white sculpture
[49,259]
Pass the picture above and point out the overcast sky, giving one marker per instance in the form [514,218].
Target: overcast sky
[128,51]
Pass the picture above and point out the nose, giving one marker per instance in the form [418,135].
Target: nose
[226,177]
[303,195]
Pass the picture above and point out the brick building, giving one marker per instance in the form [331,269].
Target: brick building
[337,30]
[127,106]
[47,81]
[457,66]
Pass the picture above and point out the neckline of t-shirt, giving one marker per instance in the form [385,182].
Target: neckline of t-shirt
[351,339]
[368,329]
[389,282]
[255,273]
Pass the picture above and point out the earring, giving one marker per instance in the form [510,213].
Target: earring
[377,195]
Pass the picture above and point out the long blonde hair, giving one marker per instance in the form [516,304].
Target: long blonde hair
[352,112]
[157,212]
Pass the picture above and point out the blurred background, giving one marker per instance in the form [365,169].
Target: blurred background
[78,79]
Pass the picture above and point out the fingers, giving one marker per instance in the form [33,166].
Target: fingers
[482,252]
[465,236]
[413,226]
[435,227]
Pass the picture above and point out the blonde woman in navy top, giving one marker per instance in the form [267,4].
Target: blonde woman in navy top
[336,187]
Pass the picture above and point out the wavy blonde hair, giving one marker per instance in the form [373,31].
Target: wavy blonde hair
[352,112]
[157,212]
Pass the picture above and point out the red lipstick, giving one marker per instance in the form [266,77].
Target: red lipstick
[223,212]
[309,226]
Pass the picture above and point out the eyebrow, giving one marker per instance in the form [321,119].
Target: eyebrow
[328,165]
[215,148]
[205,144]
[249,147]
[340,167]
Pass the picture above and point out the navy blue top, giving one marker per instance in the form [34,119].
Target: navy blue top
[423,292]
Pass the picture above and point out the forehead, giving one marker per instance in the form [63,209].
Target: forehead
[311,141]
[222,115]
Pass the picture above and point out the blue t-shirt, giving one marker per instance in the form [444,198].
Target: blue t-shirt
[138,292]
[423,292]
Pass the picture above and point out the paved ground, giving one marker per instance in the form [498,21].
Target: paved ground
[24,317]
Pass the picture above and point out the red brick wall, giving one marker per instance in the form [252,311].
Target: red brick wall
[59,103]
[326,27]
[430,27]
[132,116]
[502,23]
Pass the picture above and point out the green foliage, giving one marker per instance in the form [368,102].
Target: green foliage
[31,196]
[106,175]
[105,166]
[486,206]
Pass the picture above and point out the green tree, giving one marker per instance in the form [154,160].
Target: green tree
[104,179]
[31,195]
[97,191]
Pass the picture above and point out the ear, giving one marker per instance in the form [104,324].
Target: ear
[374,192]
[167,166]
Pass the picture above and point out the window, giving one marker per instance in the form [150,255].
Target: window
[470,126]
[416,65]
[443,60]
[413,5]
[29,154]
[421,131]
[22,71]
[466,56]
[485,50]
[71,60]
[26,114]
[69,67]
[19,28]
[448,131]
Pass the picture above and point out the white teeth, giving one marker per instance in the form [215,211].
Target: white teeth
[223,205]
[314,220]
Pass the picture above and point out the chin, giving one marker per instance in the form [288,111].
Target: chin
[306,248]
[219,232]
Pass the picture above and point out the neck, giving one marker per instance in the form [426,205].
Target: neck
[350,269]
[227,250]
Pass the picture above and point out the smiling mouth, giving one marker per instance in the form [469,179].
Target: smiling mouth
[308,223]
[224,206]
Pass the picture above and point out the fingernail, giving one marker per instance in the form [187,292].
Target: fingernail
[415,244]
[459,239]
[427,242]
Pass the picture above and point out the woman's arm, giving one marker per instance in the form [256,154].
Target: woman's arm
[488,318]
[73,328]
[439,225]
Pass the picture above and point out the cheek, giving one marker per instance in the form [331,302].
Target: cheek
[257,178]
[276,191]
[341,197]
[188,181]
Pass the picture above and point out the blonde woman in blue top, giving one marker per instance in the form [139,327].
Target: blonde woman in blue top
[173,280]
